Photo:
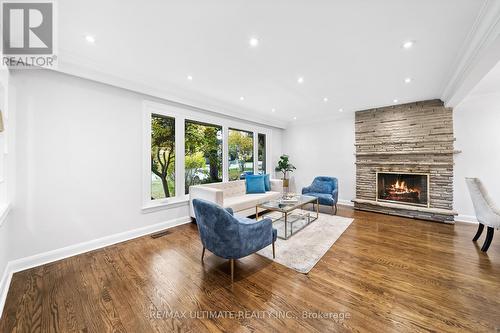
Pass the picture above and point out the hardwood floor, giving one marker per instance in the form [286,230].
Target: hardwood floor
[385,274]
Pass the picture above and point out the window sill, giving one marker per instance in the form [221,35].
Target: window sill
[165,204]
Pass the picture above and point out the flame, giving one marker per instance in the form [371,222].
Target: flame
[402,187]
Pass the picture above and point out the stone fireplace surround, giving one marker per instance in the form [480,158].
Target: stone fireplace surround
[407,138]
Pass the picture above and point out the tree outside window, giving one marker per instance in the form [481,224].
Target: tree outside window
[240,149]
[162,157]
[203,153]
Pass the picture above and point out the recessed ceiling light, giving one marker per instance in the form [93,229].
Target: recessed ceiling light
[300,80]
[395,100]
[90,39]
[254,42]
[294,118]
[273,110]
[408,44]
[408,80]
[242,98]
[190,78]
[325,99]
[341,110]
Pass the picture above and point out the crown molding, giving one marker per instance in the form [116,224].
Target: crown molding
[79,66]
[479,53]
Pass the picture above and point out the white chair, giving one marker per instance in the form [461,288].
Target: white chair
[486,211]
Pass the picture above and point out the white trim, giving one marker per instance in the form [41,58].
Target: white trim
[345,202]
[255,153]
[180,185]
[4,286]
[175,202]
[466,219]
[225,154]
[76,249]
[479,53]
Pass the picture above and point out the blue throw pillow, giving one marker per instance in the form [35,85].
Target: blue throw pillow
[267,182]
[255,184]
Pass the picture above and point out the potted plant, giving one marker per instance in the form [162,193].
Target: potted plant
[285,167]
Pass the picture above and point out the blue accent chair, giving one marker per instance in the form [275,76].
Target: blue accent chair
[326,189]
[228,236]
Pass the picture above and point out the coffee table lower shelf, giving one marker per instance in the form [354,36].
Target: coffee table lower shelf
[290,222]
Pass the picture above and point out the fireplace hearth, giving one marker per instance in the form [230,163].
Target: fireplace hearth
[404,188]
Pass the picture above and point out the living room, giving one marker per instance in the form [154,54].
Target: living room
[250,166]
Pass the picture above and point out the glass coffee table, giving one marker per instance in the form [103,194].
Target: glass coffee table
[292,219]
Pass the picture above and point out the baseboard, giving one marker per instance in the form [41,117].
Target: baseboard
[4,286]
[466,218]
[72,250]
[345,202]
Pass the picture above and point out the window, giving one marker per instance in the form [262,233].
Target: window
[240,150]
[203,153]
[185,147]
[162,157]
[261,153]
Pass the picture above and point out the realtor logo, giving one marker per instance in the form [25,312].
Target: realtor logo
[28,34]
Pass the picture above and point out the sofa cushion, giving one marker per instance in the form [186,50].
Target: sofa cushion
[323,198]
[230,189]
[255,184]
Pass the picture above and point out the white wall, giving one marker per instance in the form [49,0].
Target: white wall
[7,178]
[79,150]
[477,129]
[323,147]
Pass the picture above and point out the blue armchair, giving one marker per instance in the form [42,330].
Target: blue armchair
[326,189]
[228,236]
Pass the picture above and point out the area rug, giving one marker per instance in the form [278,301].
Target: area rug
[305,248]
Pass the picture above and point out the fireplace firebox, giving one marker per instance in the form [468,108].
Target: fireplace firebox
[403,188]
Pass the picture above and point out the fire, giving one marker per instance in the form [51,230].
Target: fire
[400,187]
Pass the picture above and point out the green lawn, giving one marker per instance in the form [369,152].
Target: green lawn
[157,189]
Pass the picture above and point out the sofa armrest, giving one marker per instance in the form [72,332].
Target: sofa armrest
[206,193]
[276,185]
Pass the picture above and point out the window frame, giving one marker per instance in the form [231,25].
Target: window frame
[181,114]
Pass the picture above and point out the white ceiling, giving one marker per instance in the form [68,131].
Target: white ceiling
[348,51]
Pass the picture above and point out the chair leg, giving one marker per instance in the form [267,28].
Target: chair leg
[202,254]
[489,237]
[478,233]
[232,269]
[274,254]
[334,209]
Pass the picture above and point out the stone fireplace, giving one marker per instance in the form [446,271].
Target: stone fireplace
[404,160]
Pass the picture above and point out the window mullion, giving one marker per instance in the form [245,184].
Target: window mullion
[225,154]
[179,156]
[255,153]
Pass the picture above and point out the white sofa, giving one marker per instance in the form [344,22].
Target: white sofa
[233,195]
